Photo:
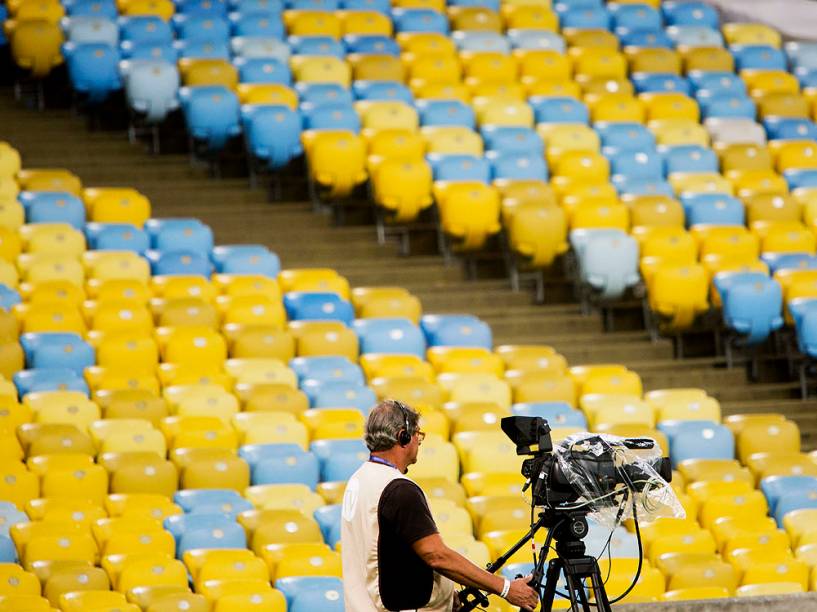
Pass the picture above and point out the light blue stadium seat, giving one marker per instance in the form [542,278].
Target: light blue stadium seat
[179,262]
[151,88]
[536,39]
[623,544]
[10,515]
[806,76]
[804,313]
[644,39]
[695,36]
[325,449]
[211,113]
[317,45]
[185,234]
[292,468]
[624,136]
[790,128]
[49,379]
[390,335]
[154,52]
[192,501]
[333,395]
[518,166]
[308,593]
[339,459]
[371,44]
[460,168]
[419,20]
[202,27]
[226,535]
[57,350]
[382,90]
[797,178]
[8,552]
[717,82]
[637,165]
[474,40]
[316,94]
[265,264]
[261,47]
[636,186]
[257,23]
[88,29]
[759,57]
[557,414]
[105,9]
[793,260]
[331,116]
[608,261]
[559,109]
[328,518]
[712,209]
[9,297]
[690,158]
[690,14]
[93,69]
[585,18]
[203,48]
[512,139]
[327,369]
[222,252]
[727,105]
[217,8]
[116,237]
[318,306]
[446,112]
[752,305]
[263,70]
[775,487]
[272,133]
[490,4]
[254,454]
[53,207]
[699,440]
[145,29]
[178,524]
[802,54]
[313,5]
[268,6]
[652,82]
[456,330]
[794,500]
[381,6]
[636,17]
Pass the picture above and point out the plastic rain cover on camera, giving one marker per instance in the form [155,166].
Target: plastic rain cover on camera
[580,453]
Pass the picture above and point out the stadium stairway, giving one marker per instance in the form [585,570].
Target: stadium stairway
[60,138]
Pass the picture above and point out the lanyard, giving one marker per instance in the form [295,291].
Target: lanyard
[382,461]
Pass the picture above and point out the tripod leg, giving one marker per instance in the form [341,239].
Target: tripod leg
[551,582]
[602,603]
[575,588]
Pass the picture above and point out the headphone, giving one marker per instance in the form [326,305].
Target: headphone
[403,436]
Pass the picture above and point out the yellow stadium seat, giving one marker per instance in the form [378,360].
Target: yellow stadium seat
[286,496]
[267,93]
[366,23]
[387,115]
[707,59]
[15,581]
[411,389]
[749,505]
[156,571]
[474,18]
[451,140]
[313,23]
[672,106]
[772,437]
[533,16]
[671,132]
[751,34]
[47,179]
[469,214]
[653,60]
[617,107]
[321,69]
[543,65]
[88,483]
[42,439]
[325,150]
[437,459]
[679,293]
[141,505]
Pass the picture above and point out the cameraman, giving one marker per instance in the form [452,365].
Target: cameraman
[393,555]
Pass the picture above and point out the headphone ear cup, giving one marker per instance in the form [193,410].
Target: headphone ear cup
[403,437]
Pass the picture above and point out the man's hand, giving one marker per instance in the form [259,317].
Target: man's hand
[522,595]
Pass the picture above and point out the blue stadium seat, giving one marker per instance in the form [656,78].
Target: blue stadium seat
[10,515]
[93,69]
[154,52]
[637,165]
[794,500]
[371,44]
[179,262]
[88,29]
[652,82]
[318,306]
[712,209]
[49,379]
[151,88]
[460,168]
[222,252]
[116,237]
[317,45]
[695,36]
[557,414]
[804,313]
[802,54]
[799,261]
[328,518]
[635,186]
[775,487]
[559,109]
[752,305]
[524,38]
[257,23]
[786,128]
[807,77]
[419,20]
[272,132]
[262,70]
[53,207]
[91,8]
[213,8]
[518,166]
[226,535]
[260,47]
[265,264]
[691,14]
[344,395]
[512,139]
[9,297]
[759,57]
[327,369]
[636,17]
[291,468]
[382,90]
[644,39]
[456,330]
[203,48]
[202,27]
[57,350]
[727,105]
[700,440]
[797,178]
[624,136]
[331,116]
[339,459]
[325,449]
[254,454]
[145,29]
[307,593]
[490,4]
[316,94]
[608,261]
[690,158]
[381,6]
[585,18]
[181,234]
[268,6]
[211,114]
[178,524]
[194,501]
[390,336]
[717,82]
[446,112]
[474,40]
[8,552]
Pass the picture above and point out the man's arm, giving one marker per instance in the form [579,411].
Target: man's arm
[439,557]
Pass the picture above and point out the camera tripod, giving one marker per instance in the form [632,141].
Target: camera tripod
[568,528]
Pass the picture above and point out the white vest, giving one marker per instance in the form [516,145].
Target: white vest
[359,534]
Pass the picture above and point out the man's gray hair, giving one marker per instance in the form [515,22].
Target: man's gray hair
[385,422]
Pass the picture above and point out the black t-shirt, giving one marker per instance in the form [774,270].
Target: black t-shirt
[403,516]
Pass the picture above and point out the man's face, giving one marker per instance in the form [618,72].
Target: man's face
[414,446]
